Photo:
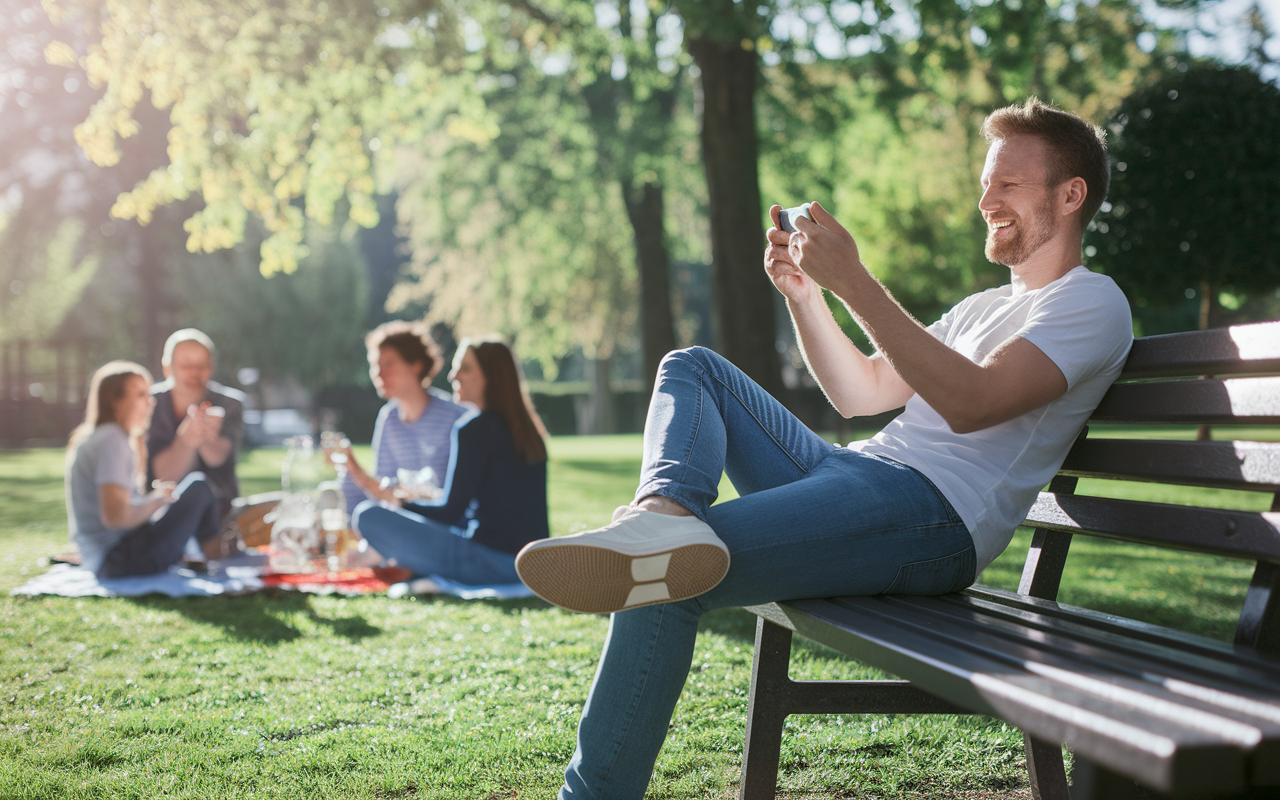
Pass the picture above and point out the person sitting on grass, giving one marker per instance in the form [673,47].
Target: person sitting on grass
[119,530]
[198,423]
[495,490]
[413,428]
[995,393]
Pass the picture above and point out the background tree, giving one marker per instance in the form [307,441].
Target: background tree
[1195,192]
[277,110]
[615,78]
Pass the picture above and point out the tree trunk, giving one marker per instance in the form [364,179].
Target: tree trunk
[1204,433]
[742,303]
[149,270]
[596,410]
[653,264]
[1206,305]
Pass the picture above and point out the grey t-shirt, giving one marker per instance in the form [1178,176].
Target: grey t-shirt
[103,458]
[164,429]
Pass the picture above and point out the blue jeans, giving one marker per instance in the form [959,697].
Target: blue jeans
[813,520]
[155,546]
[426,547]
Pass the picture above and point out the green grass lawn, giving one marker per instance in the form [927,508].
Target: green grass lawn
[294,696]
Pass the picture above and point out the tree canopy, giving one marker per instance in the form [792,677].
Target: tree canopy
[1195,187]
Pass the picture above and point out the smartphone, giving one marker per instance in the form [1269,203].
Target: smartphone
[787,216]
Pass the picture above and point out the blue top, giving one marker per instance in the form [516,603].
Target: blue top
[409,445]
[491,492]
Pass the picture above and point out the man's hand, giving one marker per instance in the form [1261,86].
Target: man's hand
[162,491]
[787,278]
[199,427]
[827,253]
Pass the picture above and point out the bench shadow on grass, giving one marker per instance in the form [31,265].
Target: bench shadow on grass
[260,617]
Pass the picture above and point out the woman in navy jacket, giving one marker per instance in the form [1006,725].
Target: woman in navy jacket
[495,493]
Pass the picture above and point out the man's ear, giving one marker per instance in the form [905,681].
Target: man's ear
[1071,195]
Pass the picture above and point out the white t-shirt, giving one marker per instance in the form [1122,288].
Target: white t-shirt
[104,458]
[992,477]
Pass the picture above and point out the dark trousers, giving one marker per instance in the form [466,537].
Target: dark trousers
[154,546]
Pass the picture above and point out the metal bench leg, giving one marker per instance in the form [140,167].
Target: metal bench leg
[1045,771]
[765,714]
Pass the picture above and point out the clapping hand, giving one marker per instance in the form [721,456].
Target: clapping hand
[202,424]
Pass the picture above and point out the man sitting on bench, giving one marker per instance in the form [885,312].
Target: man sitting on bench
[995,393]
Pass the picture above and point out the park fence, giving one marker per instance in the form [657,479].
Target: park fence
[42,389]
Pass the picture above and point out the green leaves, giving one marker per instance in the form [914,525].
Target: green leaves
[277,112]
[1195,185]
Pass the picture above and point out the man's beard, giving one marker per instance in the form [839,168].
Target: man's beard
[1028,237]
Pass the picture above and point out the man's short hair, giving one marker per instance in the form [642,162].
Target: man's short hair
[186,335]
[412,341]
[1079,147]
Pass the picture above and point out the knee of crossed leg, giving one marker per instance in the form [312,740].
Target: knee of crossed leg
[697,358]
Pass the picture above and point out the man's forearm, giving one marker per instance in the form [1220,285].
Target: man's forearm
[174,462]
[848,378]
[951,384]
[215,453]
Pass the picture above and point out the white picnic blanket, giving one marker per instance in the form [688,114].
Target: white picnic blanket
[241,575]
[238,576]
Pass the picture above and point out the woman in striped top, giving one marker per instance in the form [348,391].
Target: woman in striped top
[413,428]
[495,493]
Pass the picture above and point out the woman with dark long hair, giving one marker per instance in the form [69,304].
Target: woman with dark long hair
[113,523]
[495,493]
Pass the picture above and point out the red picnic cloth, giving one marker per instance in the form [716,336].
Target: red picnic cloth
[361,580]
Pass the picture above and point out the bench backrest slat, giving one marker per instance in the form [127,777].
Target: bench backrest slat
[1238,534]
[1224,465]
[1252,401]
[1239,350]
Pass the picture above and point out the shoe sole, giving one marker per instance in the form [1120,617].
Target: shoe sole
[599,580]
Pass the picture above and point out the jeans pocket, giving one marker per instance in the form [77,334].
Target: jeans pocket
[936,575]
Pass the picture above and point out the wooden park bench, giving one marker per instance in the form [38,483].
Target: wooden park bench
[1144,709]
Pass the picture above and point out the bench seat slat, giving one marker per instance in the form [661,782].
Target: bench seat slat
[1250,695]
[1237,534]
[1117,688]
[1192,649]
[1226,465]
[1240,349]
[1121,680]
[1157,751]
[1251,401]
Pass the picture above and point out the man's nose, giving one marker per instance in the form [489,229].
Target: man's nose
[988,201]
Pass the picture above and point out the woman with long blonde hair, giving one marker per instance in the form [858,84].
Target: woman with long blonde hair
[119,529]
[495,492]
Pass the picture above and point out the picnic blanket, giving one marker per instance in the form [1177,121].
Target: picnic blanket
[66,580]
[245,574]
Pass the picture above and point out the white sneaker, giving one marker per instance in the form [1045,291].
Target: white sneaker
[639,559]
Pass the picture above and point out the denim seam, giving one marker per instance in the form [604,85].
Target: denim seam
[913,564]
[693,436]
[946,504]
[903,529]
[767,430]
[635,704]
[679,480]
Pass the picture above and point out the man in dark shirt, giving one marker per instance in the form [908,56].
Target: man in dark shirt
[197,423]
